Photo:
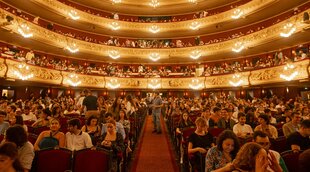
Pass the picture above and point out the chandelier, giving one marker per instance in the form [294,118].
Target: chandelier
[238,47]
[114,26]
[288,30]
[114,54]
[73,80]
[74,15]
[154,29]
[154,83]
[154,56]
[154,3]
[195,84]
[23,72]
[24,30]
[195,54]
[72,48]
[113,84]
[195,25]
[237,81]
[237,14]
[287,75]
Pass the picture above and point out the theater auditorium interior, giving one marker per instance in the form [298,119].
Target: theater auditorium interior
[154,85]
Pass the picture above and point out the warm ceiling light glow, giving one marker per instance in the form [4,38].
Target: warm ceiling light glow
[154,29]
[74,15]
[73,48]
[114,26]
[113,84]
[154,56]
[154,3]
[287,68]
[23,72]
[237,14]
[154,84]
[238,47]
[237,81]
[195,25]
[73,80]
[116,1]
[114,54]
[24,30]
[288,30]
[193,1]
[195,84]
[195,54]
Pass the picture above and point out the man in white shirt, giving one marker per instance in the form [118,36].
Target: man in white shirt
[75,138]
[242,129]
[27,115]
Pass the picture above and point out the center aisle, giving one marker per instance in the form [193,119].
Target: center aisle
[155,153]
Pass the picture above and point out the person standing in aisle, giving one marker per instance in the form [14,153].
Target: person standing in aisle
[157,104]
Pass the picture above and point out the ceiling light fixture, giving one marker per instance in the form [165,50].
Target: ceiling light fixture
[238,47]
[74,15]
[24,30]
[195,25]
[154,56]
[114,54]
[237,14]
[73,80]
[288,30]
[154,3]
[73,49]
[195,84]
[23,71]
[114,26]
[195,54]
[113,84]
[154,29]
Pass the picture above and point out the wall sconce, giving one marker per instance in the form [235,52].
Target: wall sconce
[154,84]
[288,30]
[113,84]
[74,15]
[72,48]
[237,14]
[287,75]
[154,3]
[114,26]
[195,84]
[73,80]
[195,25]
[24,30]
[154,56]
[195,54]
[114,54]
[154,29]
[23,71]
[238,47]
[237,81]
[116,1]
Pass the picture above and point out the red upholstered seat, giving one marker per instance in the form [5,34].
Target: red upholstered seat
[91,160]
[279,144]
[291,160]
[215,132]
[53,160]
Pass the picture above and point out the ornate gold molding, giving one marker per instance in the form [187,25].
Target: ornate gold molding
[255,77]
[63,9]
[3,68]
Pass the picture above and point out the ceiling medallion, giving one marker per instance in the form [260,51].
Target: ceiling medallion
[236,80]
[288,30]
[74,15]
[287,75]
[72,48]
[154,29]
[113,84]
[73,80]
[154,3]
[23,71]
[24,30]
[114,26]
[154,84]
[195,25]
[238,47]
[195,84]
[195,54]
[154,56]
[237,14]
[114,54]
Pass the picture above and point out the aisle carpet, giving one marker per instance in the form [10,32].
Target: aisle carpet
[155,152]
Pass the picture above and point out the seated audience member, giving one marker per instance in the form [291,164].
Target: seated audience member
[262,139]
[206,115]
[9,156]
[220,157]
[184,122]
[75,138]
[241,129]
[226,122]
[198,144]
[304,159]
[92,128]
[18,120]
[252,157]
[215,117]
[27,115]
[3,124]
[113,140]
[43,120]
[272,119]
[293,125]
[265,127]
[124,121]
[52,138]
[119,126]
[18,135]
[300,140]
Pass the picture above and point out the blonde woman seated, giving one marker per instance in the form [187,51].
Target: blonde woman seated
[52,138]
[220,157]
